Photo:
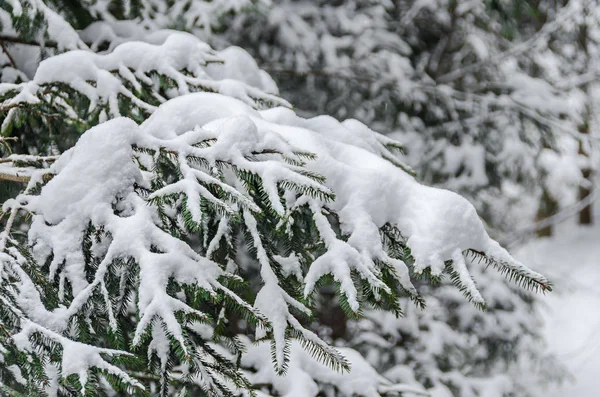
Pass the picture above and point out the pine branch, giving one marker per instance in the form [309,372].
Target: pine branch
[512,272]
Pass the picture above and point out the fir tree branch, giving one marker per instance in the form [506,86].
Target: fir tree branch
[512,272]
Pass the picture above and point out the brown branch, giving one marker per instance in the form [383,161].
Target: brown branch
[23,105]
[22,178]
[19,40]
[10,58]
[9,107]
[322,73]
[15,178]
[30,159]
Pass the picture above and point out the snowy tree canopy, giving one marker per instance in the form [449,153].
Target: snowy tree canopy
[482,94]
[152,172]
[477,93]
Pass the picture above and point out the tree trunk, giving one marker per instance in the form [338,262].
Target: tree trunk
[548,207]
[585,215]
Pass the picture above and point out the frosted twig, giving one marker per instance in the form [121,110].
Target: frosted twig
[9,223]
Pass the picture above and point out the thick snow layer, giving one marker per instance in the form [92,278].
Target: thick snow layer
[104,150]
[239,65]
[571,315]
[57,29]
[370,191]
[95,181]
[180,57]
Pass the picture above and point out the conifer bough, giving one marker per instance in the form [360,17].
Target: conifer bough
[131,274]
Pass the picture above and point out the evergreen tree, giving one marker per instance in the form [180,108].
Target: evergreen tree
[467,88]
[170,204]
[471,91]
[454,349]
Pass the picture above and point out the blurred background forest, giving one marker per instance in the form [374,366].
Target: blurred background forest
[497,100]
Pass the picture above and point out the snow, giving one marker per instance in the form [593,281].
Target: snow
[571,317]
[112,156]
[239,65]
[535,93]
[440,345]
[370,192]
[366,185]
[190,63]
[16,6]
[95,176]
[89,198]
[76,357]
[468,158]
[307,378]
[563,168]
[95,185]
[57,29]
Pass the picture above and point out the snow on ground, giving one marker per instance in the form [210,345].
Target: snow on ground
[571,260]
